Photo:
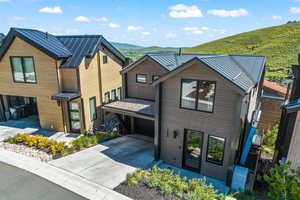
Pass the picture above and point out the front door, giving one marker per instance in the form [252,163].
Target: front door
[193,144]
[74,115]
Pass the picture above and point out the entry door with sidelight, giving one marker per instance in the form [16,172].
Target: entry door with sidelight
[74,115]
[193,145]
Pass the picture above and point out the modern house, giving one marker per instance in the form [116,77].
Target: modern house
[61,79]
[288,139]
[199,109]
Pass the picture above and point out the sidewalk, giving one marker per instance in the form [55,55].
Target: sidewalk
[68,180]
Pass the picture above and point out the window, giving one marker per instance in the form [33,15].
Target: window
[105,60]
[141,78]
[93,109]
[155,77]
[215,150]
[198,95]
[113,95]
[106,97]
[23,69]
[119,90]
[74,116]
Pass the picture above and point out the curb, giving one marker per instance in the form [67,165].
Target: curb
[60,177]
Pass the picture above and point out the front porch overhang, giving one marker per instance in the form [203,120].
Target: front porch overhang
[65,96]
[132,107]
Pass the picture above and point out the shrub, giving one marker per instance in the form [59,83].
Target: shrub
[269,140]
[171,184]
[57,147]
[283,182]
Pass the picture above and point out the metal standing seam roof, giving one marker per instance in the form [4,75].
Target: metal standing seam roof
[70,48]
[242,70]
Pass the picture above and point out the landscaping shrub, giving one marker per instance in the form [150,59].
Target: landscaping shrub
[39,142]
[269,140]
[283,182]
[169,183]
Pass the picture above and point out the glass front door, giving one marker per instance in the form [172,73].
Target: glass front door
[193,143]
[74,115]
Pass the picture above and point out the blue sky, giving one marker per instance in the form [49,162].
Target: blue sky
[148,22]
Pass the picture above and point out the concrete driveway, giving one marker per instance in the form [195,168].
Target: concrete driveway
[109,163]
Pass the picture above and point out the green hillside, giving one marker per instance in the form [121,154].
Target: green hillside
[280,44]
[137,53]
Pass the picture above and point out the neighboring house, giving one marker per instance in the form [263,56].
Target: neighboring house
[62,79]
[272,98]
[288,139]
[197,108]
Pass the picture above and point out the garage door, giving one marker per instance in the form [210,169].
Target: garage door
[144,127]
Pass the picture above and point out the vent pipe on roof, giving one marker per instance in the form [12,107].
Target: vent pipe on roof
[179,53]
[46,35]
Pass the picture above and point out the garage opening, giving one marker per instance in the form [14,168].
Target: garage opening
[144,127]
[18,107]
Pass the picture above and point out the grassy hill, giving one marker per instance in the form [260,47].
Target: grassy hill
[137,53]
[126,45]
[280,44]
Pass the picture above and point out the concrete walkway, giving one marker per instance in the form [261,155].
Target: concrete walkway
[108,164]
[68,180]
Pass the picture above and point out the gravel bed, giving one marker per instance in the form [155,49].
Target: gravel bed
[27,151]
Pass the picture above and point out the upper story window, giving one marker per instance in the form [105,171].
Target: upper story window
[106,97]
[141,78]
[119,90]
[155,77]
[23,69]
[113,95]
[105,59]
[198,95]
[215,150]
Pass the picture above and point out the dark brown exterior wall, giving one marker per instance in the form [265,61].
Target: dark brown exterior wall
[224,122]
[271,113]
[140,90]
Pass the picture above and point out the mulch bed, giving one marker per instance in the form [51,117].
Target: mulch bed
[142,192]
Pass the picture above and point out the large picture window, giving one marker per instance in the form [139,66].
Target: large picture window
[93,108]
[119,91]
[215,150]
[113,95]
[23,69]
[198,95]
[106,97]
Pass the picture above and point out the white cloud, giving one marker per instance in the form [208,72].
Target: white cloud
[101,19]
[1,1]
[82,19]
[201,30]
[184,11]
[295,10]
[17,18]
[111,25]
[276,17]
[228,13]
[72,31]
[134,28]
[170,35]
[146,33]
[51,10]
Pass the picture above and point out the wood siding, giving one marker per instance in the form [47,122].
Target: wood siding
[50,114]
[294,150]
[223,122]
[140,90]
[271,113]
[69,80]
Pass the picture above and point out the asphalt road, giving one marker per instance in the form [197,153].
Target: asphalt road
[18,184]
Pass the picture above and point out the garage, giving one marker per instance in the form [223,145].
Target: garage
[144,127]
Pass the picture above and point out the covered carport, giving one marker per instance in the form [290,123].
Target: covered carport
[137,115]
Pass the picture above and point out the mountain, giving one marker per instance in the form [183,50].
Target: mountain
[126,46]
[137,53]
[280,44]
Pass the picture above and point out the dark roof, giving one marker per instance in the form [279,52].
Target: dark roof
[2,36]
[65,96]
[84,46]
[71,49]
[244,71]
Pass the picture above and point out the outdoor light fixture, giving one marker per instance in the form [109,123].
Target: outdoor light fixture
[175,134]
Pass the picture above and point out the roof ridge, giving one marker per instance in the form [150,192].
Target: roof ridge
[79,36]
